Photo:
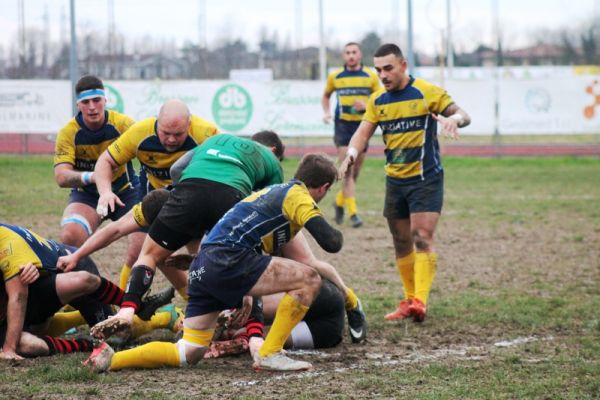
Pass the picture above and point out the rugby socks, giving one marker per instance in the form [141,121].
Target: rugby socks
[351,203]
[63,346]
[254,328]
[183,293]
[425,268]
[150,355]
[340,199]
[160,320]
[63,321]
[289,313]
[124,276]
[108,293]
[351,300]
[406,267]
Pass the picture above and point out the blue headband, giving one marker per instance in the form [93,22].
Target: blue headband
[90,94]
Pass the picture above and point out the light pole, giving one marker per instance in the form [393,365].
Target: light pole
[73,62]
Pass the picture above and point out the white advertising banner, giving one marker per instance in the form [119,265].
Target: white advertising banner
[562,105]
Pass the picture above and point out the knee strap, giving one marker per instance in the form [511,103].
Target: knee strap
[140,280]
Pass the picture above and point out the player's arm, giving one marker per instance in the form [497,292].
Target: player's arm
[357,145]
[452,118]
[330,239]
[99,240]
[177,168]
[66,176]
[17,293]
[103,173]
[326,105]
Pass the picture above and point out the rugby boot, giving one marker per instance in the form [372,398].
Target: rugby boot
[99,360]
[356,221]
[418,310]
[339,214]
[279,362]
[357,324]
[153,302]
[401,312]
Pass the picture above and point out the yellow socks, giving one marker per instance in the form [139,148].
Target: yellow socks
[351,203]
[159,320]
[351,299]
[183,293]
[63,321]
[288,314]
[425,268]
[124,276]
[405,266]
[339,199]
[150,355]
[198,337]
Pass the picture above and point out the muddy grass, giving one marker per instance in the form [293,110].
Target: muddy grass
[523,258]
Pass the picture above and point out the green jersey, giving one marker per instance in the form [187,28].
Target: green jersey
[238,162]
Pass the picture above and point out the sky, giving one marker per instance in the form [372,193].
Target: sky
[297,21]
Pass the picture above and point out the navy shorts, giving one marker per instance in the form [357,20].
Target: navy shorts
[343,131]
[219,277]
[129,197]
[401,200]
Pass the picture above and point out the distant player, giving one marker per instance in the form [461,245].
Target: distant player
[407,110]
[352,84]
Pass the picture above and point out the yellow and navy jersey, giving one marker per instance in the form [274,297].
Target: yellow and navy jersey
[138,215]
[350,86]
[266,219]
[81,147]
[20,246]
[141,141]
[409,131]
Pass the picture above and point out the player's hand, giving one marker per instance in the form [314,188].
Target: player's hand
[327,118]
[240,316]
[344,168]
[29,273]
[9,355]
[227,347]
[67,263]
[108,202]
[179,261]
[449,126]
[359,106]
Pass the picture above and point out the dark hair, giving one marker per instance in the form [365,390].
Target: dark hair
[388,48]
[88,82]
[352,44]
[315,170]
[270,139]
[152,204]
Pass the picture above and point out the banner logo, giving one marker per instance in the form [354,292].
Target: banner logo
[232,108]
[114,100]
[590,111]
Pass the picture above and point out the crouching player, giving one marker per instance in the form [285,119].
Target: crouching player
[230,265]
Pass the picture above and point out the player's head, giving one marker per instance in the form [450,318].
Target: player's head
[352,55]
[318,173]
[271,140]
[152,204]
[172,124]
[390,65]
[91,100]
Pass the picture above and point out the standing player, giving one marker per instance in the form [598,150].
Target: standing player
[157,142]
[406,110]
[353,84]
[230,265]
[78,145]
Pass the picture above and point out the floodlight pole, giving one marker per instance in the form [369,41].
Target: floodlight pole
[73,62]
[410,50]
[322,49]
[449,50]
